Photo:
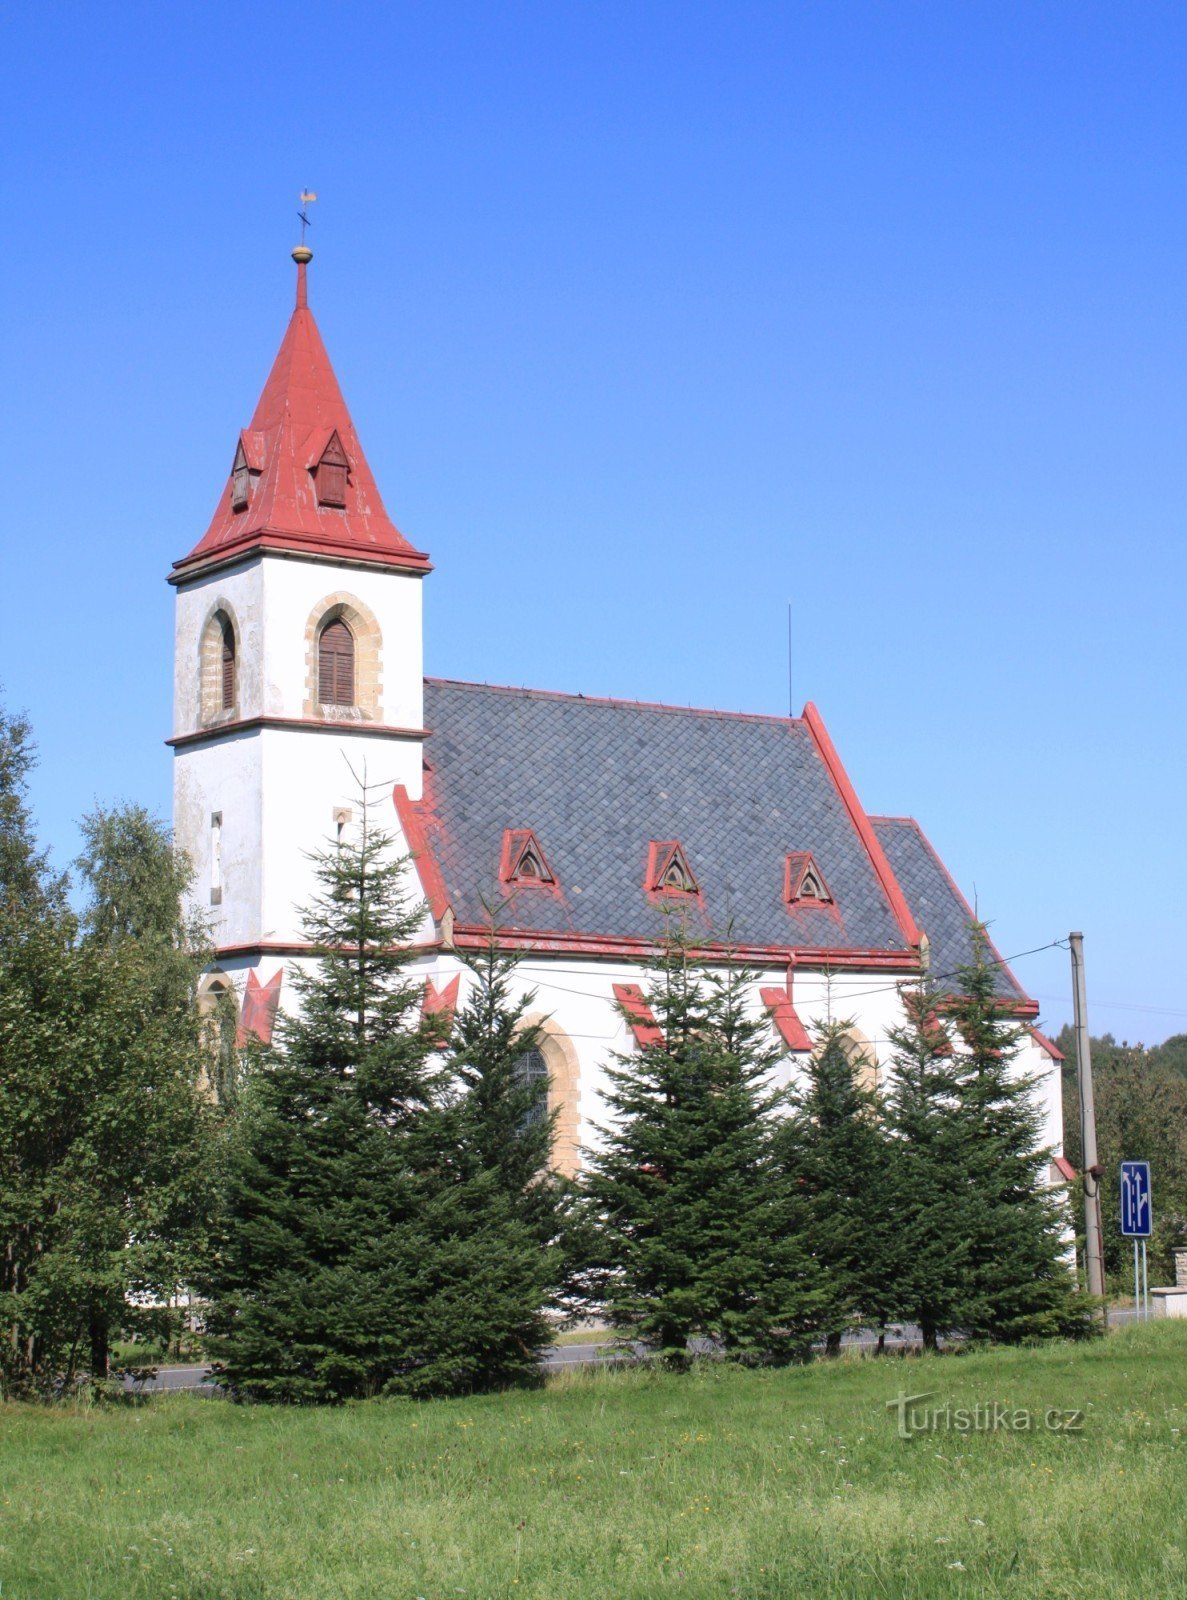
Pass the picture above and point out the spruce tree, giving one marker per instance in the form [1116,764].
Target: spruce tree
[834,1148]
[508,1129]
[700,1236]
[1019,1284]
[928,1194]
[371,1240]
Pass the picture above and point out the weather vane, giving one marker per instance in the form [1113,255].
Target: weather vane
[307,199]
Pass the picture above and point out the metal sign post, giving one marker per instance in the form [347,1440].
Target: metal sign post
[1137,1222]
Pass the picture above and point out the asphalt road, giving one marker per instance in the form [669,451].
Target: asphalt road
[560,1356]
[556,1359]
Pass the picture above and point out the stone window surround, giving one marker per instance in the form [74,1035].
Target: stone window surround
[862,1056]
[211,710]
[368,644]
[564,1089]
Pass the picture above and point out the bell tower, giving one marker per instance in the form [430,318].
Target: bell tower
[298,658]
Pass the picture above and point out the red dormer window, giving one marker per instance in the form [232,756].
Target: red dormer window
[523,863]
[668,871]
[803,881]
[240,481]
[330,474]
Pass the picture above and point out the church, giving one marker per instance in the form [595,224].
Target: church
[298,658]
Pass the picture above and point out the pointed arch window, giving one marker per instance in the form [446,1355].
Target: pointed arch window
[335,664]
[227,664]
[531,1072]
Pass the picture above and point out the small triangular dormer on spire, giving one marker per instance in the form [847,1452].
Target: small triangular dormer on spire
[803,881]
[523,863]
[668,871]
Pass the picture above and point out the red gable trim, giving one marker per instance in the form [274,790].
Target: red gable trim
[1064,1168]
[795,867]
[661,855]
[786,1018]
[414,818]
[1052,1050]
[252,445]
[639,1015]
[861,822]
[516,844]
[441,1001]
[258,1015]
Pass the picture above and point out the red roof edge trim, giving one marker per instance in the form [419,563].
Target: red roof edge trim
[287,542]
[639,1015]
[441,1001]
[257,1017]
[862,823]
[786,1019]
[1064,1168]
[413,821]
[1046,1045]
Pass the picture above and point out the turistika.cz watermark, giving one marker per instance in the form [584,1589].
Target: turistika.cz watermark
[987,1416]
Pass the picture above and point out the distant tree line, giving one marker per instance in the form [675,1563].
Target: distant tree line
[1140,1095]
[366,1206]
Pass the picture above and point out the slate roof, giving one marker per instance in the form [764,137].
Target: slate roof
[598,780]
[936,903]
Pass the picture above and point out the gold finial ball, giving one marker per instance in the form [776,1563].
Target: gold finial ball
[302,255]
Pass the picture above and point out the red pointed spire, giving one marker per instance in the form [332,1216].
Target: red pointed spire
[280,495]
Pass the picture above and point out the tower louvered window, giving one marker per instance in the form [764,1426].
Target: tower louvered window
[228,665]
[335,665]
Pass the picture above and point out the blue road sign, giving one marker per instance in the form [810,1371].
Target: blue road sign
[1137,1216]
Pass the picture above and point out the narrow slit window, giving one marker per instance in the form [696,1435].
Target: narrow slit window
[335,665]
[216,858]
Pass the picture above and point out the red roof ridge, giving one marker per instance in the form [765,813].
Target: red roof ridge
[614,700]
[300,404]
[863,825]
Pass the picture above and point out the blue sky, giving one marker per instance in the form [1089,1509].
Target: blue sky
[652,318]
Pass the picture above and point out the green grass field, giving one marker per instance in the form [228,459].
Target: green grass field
[613,1486]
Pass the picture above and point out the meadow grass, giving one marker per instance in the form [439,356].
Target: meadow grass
[621,1486]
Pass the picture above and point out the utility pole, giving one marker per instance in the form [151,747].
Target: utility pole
[1093,1172]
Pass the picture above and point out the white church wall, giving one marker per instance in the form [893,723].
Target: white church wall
[223,778]
[306,781]
[296,592]
[578,997]
[237,590]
